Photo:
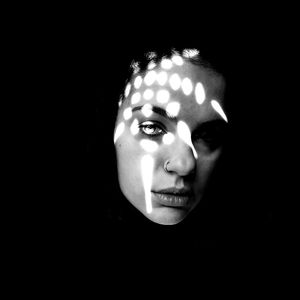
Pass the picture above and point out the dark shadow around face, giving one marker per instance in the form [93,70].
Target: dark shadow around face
[167,137]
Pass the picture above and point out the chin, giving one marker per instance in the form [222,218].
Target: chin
[167,215]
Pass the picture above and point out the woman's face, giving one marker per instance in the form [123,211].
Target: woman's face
[167,138]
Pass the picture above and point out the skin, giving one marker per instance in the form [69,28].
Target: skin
[185,170]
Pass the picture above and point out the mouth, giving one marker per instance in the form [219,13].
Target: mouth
[173,197]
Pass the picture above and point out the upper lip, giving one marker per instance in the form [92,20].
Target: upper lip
[175,191]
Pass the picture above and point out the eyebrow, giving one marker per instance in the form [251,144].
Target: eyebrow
[163,113]
[157,110]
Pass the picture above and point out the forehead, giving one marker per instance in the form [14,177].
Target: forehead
[164,84]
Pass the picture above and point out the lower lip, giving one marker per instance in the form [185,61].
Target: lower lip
[172,200]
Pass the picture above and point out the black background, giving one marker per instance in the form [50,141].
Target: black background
[81,66]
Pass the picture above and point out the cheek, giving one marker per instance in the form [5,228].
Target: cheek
[205,166]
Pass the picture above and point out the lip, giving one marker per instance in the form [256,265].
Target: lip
[173,197]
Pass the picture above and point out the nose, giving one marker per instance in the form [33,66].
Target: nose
[181,160]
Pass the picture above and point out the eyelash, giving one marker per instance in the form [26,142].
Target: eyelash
[150,124]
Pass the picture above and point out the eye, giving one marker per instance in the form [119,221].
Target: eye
[151,129]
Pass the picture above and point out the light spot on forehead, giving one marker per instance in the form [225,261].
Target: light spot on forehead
[162,78]
[136,97]
[150,78]
[127,90]
[199,93]
[127,114]
[166,64]
[147,110]
[173,108]
[138,82]
[151,65]
[163,96]
[187,86]
[177,60]
[149,146]
[148,94]
[175,82]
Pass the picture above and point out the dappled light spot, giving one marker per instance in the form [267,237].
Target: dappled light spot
[199,93]
[175,82]
[148,94]
[185,134]
[168,138]
[187,86]
[147,110]
[151,65]
[138,82]
[127,114]
[166,64]
[150,78]
[134,128]
[147,165]
[173,109]
[217,107]
[127,90]
[177,60]
[149,146]
[163,96]
[136,97]
[119,130]
[162,78]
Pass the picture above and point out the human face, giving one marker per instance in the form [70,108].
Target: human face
[167,138]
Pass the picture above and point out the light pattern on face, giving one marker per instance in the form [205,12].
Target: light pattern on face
[166,64]
[138,82]
[119,130]
[173,109]
[127,90]
[199,93]
[168,138]
[162,96]
[136,97]
[187,86]
[134,128]
[147,163]
[185,134]
[127,114]
[147,110]
[148,94]
[217,107]
[175,82]
[149,146]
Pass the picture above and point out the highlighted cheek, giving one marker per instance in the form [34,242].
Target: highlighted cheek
[147,164]
[119,130]
[134,128]
[149,146]
[185,134]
